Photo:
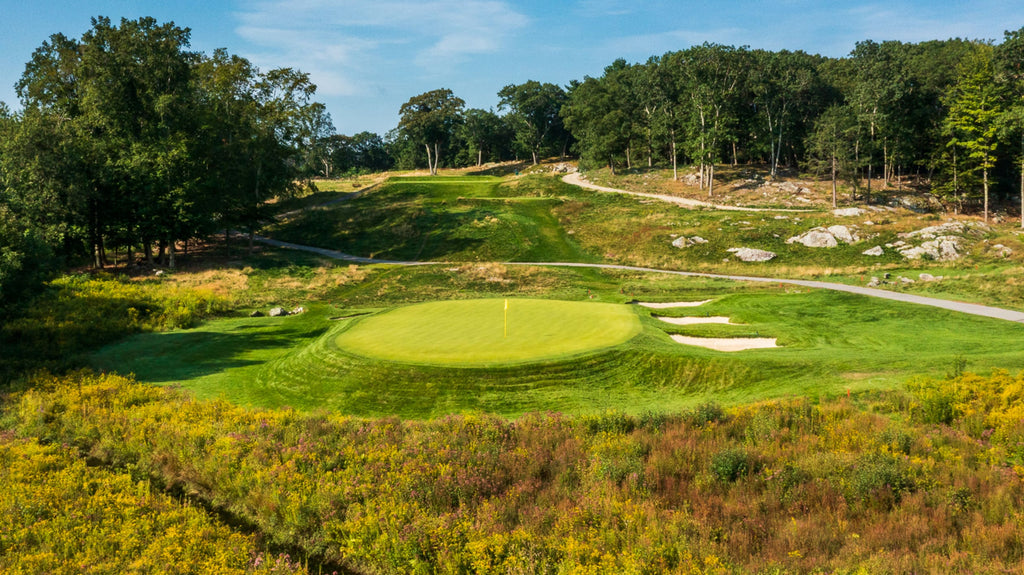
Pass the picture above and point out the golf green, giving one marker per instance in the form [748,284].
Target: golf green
[474,332]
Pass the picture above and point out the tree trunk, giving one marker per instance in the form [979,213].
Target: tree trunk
[885,165]
[675,169]
[170,254]
[984,179]
[611,165]
[1022,188]
[437,158]
[834,202]
[148,248]
[534,152]
[734,162]
[629,159]
[956,186]
[711,180]
[479,157]
[430,161]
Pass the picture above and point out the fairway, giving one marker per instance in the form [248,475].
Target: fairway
[474,332]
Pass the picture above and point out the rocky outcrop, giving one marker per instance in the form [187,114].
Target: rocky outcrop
[277,312]
[751,254]
[685,242]
[875,251]
[825,237]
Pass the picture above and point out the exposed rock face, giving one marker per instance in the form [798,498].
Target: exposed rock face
[942,249]
[816,238]
[825,237]
[944,242]
[685,242]
[751,254]
[847,212]
[277,312]
[875,251]
[1002,251]
[844,234]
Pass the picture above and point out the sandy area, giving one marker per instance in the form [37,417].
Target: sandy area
[695,320]
[727,344]
[673,304]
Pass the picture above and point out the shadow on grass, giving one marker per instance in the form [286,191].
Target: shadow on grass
[187,355]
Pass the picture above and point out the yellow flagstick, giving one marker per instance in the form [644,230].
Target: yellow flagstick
[506,317]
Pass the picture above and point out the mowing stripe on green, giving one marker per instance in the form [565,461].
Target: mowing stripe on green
[473,332]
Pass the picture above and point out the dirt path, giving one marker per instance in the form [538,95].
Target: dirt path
[962,307]
[575,180]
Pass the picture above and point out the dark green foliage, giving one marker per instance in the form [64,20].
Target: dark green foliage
[733,463]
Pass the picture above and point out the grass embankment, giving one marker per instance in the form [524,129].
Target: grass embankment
[929,481]
[831,342]
[458,219]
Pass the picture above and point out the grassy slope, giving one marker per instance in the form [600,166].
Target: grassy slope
[832,342]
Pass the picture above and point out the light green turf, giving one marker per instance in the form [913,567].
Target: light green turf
[474,332]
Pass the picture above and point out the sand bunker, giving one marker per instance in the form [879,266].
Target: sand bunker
[695,320]
[727,344]
[674,304]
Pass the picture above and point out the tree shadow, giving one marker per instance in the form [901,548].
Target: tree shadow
[186,355]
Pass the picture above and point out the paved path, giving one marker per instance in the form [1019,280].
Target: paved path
[968,308]
[575,180]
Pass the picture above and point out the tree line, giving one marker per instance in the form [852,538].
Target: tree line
[130,143]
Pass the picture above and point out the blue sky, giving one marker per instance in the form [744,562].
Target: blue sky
[369,56]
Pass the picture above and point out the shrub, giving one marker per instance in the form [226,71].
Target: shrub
[730,464]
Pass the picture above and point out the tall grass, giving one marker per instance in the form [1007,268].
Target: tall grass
[781,487]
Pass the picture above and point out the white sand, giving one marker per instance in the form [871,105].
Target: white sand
[726,344]
[674,304]
[695,320]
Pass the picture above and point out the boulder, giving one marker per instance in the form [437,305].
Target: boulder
[926,277]
[298,310]
[874,282]
[685,242]
[277,312]
[844,234]
[875,251]
[751,254]
[815,238]
[256,313]
[847,212]
[1002,251]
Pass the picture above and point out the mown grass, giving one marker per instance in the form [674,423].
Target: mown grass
[830,342]
[496,331]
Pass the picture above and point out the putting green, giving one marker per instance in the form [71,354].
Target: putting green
[472,332]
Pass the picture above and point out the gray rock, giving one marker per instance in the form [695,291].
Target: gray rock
[277,312]
[751,254]
[926,277]
[1002,251]
[844,234]
[256,313]
[847,212]
[875,251]
[298,310]
[874,282]
[158,273]
[815,238]
[685,242]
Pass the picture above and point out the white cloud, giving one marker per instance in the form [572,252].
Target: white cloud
[345,45]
